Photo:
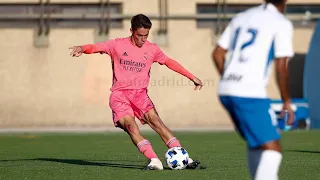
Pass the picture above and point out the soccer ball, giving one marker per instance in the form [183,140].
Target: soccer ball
[177,158]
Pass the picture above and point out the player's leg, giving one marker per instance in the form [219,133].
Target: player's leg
[144,110]
[154,121]
[239,125]
[259,129]
[268,159]
[128,124]
[123,117]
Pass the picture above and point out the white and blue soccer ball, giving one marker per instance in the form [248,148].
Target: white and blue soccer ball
[177,158]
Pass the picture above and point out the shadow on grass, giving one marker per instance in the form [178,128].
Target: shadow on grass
[90,163]
[304,151]
[82,162]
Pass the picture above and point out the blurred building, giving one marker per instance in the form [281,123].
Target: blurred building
[41,86]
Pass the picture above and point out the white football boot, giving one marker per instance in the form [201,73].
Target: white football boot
[155,164]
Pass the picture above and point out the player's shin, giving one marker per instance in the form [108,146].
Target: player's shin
[269,165]
[146,149]
[173,142]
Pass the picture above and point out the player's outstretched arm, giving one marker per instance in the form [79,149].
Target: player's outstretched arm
[104,47]
[282,79]
[87,49]
[175,66]
[218,57]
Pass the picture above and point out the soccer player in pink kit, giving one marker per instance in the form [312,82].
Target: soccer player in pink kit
[132,58]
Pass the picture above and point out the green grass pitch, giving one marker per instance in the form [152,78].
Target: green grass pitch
[112,156]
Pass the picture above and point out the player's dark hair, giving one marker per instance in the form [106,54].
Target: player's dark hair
[276,2]
[140,21]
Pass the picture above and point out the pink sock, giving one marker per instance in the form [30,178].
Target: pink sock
[173,142]
[146,149]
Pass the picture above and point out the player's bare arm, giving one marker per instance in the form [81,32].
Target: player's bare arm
[282,79]
[218,56]
[175,66]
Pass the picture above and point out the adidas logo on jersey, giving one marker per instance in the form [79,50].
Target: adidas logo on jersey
[125,54]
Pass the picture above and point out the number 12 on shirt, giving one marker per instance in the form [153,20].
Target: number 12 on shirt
[253,35]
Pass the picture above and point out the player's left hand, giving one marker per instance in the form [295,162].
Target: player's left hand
[198,84]
[287,107]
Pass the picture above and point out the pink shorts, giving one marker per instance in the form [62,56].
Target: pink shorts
[132,102]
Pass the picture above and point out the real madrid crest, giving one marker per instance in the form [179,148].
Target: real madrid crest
[145,56]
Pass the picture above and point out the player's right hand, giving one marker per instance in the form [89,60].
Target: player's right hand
[287,108]
[76,51]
